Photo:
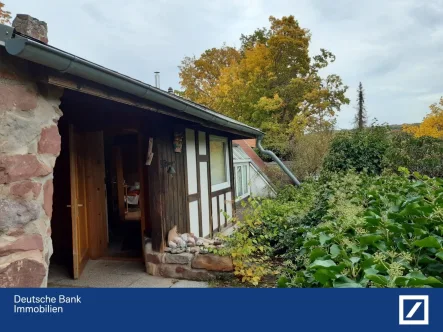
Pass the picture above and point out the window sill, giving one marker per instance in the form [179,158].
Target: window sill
[220,186]
[239,198]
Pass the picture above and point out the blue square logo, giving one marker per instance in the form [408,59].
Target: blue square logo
[414,310]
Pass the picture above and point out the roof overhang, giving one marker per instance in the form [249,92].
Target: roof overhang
[63,62]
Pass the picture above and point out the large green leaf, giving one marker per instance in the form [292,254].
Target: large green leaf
[371,271]
[282,282]
[345,282]
[428,242]
[324,238]
[324,276]
[377,279]
[327,264]
[317,253]
[354,259]
[335,250]
[439,255]
[429,281]
[322,263]
[369,238]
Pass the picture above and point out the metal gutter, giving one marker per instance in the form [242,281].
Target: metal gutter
[68,63]
[277,160]
[64,62]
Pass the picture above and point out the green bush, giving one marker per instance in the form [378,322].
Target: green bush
[308,152]
[359,150]
[377,231]
[346,230]
[418,154]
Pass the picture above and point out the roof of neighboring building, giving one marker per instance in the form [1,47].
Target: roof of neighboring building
[35,51]
[240,154]
[243,143]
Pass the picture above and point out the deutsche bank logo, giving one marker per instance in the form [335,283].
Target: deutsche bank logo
[414,309]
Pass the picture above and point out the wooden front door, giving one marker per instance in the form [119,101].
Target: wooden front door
[80,243]
[93,151]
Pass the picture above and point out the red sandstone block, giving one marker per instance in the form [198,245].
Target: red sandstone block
[21,189]
[17,96]
[21,167]
[22,273]
[48,191]
[50,141]
[23,243]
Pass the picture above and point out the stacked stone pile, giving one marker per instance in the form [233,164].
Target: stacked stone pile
[188,242]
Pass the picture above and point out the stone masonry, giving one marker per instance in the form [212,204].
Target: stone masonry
[29,146]
[199,267]
[31,27]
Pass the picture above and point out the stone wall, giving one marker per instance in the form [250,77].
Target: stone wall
[200,267]
[29,146]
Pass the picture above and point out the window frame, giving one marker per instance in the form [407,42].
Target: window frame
[242,165]
[227,183]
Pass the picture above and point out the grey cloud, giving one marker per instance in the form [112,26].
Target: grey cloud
[392,47]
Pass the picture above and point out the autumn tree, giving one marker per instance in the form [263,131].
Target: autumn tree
[361,116]
[200,76]
[271,82]
[5,16]
[432,124]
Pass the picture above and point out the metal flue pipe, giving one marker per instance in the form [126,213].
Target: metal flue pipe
[278,161]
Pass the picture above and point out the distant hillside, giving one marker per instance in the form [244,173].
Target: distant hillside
[391,126]
[399,127]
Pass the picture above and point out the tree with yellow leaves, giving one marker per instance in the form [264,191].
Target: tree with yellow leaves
[271,82]
[5,16]
[432,124]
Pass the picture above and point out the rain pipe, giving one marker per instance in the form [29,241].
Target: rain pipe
[277,160]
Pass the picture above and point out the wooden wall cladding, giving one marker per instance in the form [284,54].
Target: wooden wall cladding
[206,208]
[167,193]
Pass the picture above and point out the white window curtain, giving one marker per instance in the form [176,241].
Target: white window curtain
[218,162]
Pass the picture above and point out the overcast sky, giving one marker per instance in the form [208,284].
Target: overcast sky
[393,47]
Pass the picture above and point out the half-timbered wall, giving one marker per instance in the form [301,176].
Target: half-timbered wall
[207,203]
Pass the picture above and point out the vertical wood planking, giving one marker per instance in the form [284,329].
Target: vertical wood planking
[200,230]
[205,212]
[210,203]
[191,161]
[194,217]
[229,203]
[215,224]
[221,207]
[224,209]
[232,174]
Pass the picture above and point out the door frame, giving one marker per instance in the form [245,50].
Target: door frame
[79,258]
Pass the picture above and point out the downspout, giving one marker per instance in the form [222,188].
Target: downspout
[277,160]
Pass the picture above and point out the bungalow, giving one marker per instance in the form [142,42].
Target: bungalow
[96,164]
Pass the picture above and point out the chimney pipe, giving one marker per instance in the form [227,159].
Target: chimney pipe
[157,79]
[170,90]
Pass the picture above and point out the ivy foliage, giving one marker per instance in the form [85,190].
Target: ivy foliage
[359,150]
[347,230]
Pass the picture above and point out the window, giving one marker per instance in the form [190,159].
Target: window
[241,181]
[218,153]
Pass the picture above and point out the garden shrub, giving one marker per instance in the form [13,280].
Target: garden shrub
[264,223]
[418,154]
[308,152]
[358,149]
[378,231]
[346,230]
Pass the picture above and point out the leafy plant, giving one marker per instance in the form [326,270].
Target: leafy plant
[346,230]
[358,149]
[386,231]
[419,154]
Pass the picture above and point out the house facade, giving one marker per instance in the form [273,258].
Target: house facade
[95,164]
